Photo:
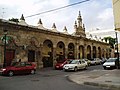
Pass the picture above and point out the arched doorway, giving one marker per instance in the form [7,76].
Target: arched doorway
[94,52]
[88,52]
[81,52]
[10,50]
[103,53]
[71,54]
[47,53]
[99,52]
[32,49]
[60,51]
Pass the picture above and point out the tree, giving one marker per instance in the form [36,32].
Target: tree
[14,20]
[111,41]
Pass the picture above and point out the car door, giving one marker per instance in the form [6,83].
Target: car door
[83,64]
[79,65]
[17,68]
[29,67]
[22,68]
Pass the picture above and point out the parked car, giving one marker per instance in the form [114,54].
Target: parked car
[92,61]
[60,64]
[110,63]
[98,61]
[95,61]
[75,65]
[88,61]
[19,68]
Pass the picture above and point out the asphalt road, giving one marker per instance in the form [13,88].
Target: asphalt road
[45,79]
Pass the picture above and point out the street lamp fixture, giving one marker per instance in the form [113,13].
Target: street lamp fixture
[117,61]
[5,43]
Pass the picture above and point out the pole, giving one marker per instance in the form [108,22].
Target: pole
[117,62]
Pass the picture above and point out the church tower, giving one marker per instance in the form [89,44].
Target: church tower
[79,27]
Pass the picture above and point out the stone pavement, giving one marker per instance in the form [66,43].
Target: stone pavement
[108,79]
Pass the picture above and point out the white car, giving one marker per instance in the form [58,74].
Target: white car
[96,61]
[75,65]
[110,63]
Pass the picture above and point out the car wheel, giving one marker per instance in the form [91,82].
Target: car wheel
[89,64]
[85,67]
[104,68]
[64,69]
[75,69]
[95,64]
[32,71]
[11,73]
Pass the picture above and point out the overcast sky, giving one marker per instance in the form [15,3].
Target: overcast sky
[95,13]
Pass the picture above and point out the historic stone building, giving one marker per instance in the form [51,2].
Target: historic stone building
[44,46]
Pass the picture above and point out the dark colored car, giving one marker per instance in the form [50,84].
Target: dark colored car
[60,64]
[19,68]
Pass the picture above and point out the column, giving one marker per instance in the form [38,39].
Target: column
[91,52]
[40,62]
[76,50]
[66,51]
[85,51]
[54,55]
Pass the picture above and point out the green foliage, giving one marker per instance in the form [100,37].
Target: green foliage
[14,20]
[111,41]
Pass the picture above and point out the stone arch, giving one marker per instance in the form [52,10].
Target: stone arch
[103,53]
[94,52]
[81,51]
[99,52]
[60,51]
[47,52]
[88,52]
[71,51]
[10,49]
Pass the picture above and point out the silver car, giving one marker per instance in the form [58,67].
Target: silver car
[75,65]
[110,63]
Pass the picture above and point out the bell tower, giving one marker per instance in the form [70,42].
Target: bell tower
[79,27]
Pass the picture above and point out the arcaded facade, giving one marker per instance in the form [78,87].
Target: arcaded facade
[45,46]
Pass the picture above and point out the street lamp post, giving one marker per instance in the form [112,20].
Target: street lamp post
[5,34]
[117,62]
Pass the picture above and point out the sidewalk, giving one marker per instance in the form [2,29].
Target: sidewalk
[108,79]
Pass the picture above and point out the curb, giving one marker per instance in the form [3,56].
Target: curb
[106,86]
[69,79]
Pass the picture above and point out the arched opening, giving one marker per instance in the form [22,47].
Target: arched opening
[103,53]
[60,51]
[47,53]
[88,52]
[71,54]
[81,52]
[94,52]
[99,52]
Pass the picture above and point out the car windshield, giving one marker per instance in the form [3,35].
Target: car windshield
[14,63]
[74,62]
[111,60]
